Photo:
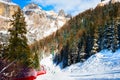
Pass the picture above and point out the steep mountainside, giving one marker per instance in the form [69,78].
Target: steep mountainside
[84,35]
[40,23]
[7,9]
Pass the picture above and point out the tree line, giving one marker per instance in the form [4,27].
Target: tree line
[84,35]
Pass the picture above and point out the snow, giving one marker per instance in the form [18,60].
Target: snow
[9,3]
[43,30]
[105,1]
[104,65]
[50,67]
[51,13]
[4,31]
[6,18]
[60,23]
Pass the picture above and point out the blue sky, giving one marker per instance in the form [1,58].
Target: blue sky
[69,6]
[23,3]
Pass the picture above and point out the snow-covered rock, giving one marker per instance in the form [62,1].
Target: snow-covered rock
[7,2]
[40,23]
[61,13]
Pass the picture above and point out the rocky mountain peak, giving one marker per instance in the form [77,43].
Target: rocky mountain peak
[33,9]
[61,13]
[32,6]
[40,23]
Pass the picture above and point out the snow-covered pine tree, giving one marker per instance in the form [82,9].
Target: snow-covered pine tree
[82,54]
[95,44]
[116,41]
[19,50]
[107,39]
[101,37]
[118,29]
[110,39]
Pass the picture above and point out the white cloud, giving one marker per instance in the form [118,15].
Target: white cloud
[70,6]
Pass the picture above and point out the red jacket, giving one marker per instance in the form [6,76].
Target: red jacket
[26,78]
[32,77]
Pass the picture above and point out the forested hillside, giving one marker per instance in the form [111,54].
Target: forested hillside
[84,35]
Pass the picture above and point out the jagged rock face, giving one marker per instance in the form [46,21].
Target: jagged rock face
[31,6]
[61,13]
[4,24]
[41,23]
[7,9]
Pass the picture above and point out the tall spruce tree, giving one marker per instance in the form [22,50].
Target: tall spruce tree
[18,47]
[95,44]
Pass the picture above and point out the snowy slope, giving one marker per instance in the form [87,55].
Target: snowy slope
[104,65]
[7,2]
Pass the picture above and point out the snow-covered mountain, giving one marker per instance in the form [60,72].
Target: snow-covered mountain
[40,23]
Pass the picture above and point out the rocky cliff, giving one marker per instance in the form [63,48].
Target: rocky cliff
[40,23]
[7,9]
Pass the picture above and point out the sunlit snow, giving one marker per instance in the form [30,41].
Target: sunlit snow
[104,65]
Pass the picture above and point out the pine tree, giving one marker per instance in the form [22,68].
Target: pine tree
[110,40]
[118,27]
[79,49]
[18,47]
[116,38]
[95,44]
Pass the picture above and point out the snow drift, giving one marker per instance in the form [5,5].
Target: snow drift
[104,65]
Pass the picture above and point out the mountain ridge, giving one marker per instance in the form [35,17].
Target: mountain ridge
[40,23]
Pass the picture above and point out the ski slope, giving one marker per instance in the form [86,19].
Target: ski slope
[104,65]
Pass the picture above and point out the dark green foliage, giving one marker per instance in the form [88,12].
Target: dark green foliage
[110,37]
[18,47]
[93,34]
[119,35]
